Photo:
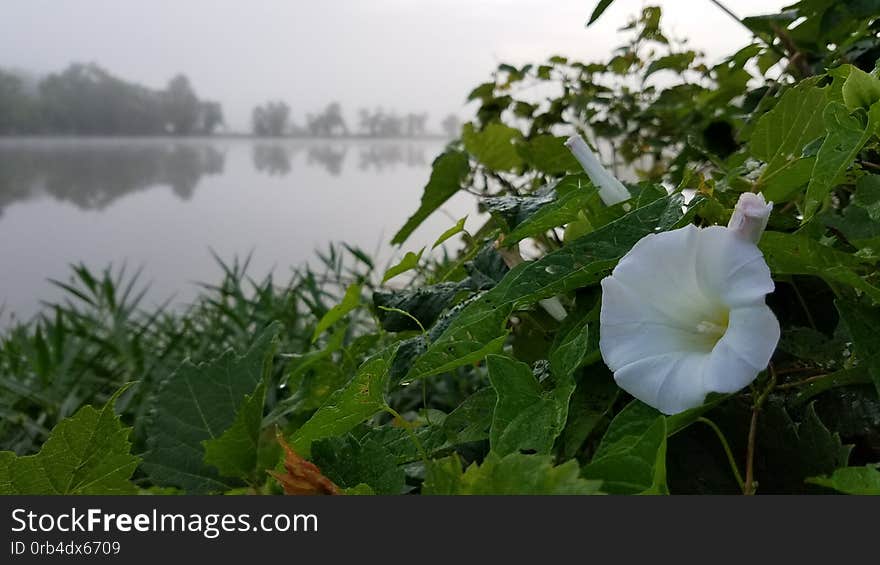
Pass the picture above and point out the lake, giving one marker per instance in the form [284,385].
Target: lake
[163,204]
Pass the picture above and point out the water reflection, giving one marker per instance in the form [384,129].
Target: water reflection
[93,173]
[277,158]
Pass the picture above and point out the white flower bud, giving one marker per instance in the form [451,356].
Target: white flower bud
[749,219]
[611,190]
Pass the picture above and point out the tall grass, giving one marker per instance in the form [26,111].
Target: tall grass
[83,347]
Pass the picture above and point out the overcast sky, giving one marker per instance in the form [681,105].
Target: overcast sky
[409,55]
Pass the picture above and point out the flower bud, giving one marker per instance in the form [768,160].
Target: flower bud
[749,219]
[611,190]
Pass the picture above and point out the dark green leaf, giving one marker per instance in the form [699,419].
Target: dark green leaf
[571,196]
[678,62]
[863,323]
[348,463]
[471,420]
[198,403]
[599,9]
[447,174]
[424,304]
[234,453]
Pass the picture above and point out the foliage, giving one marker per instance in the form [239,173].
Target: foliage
[85,99]
[453,379]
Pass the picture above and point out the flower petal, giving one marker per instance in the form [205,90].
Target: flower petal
[660,270]
[744,350]
[671,383]
[631,329]
[731,268]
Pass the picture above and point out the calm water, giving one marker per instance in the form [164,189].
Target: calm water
[164,204]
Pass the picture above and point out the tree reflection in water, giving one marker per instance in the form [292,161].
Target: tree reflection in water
[93,173]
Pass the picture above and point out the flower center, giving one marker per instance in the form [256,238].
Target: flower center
[713,329]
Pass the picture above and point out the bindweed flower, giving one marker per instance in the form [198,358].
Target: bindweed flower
[611,190]
[683,313]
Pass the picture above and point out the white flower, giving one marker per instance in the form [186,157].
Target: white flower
[683,313]
[611,190]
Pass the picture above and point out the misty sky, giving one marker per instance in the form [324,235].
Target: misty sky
[408,55]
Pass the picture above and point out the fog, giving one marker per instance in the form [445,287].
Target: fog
[409,55]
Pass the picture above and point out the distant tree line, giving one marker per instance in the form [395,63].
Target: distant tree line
[273,119]
[85,99]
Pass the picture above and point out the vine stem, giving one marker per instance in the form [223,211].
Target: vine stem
[730,458]
[750,485]
[802,382]
[730,13]
[407,427]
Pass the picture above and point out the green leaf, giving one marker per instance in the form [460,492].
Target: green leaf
[782,133]
[678,62]
[494,146]
[631,459]
[447,174]
[456,229]
[234,453]
[479,328]
[867,195]
[792,254]
[472,419]
[513,474]
[307,360]
[844,377]
[88,453]
[548,154]
[530,414]
[410,261]
[197,403]
[425,304]
[768,23]
[313,376]
[600,8]
[860,90]
[350,301]
[852,480]
[590,404]
[525,417]
[846,137]
[793,452]
[349,463]
[863,323]
[572,195]
[356,402]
